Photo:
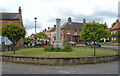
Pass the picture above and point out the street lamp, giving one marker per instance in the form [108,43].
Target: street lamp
[35,28]
[35,24]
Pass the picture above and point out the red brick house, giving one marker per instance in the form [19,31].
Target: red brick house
[51,33]
[115,29]
[70,31]
[8,17]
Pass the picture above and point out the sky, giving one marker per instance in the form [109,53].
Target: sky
[47,11]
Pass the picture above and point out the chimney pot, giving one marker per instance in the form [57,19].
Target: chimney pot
[69,19]
[54,26]
[84,21]
[20,11]
[48,27]
[45,30]
[117,20]
[105,23]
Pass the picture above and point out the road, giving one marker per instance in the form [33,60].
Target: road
[111,47]
[103,68]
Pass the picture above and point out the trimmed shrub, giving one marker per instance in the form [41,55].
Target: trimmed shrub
[57,49]
[67,48]
[48,48]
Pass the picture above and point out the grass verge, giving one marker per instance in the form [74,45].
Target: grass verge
[77,52]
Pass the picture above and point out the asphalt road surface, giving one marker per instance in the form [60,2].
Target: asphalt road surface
[112,47]
[102,68]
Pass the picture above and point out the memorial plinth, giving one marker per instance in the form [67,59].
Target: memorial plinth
[58,42]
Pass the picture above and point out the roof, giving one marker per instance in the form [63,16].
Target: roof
[51,29]
[72,25]
[117,26]
[10,16]
[5,40]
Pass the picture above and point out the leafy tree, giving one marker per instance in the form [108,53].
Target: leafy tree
[14,32]
[27,41]
[93,32]
[117,35]
[113,24]
[41,35]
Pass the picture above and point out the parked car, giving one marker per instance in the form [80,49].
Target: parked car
[35,43]
[44,43]
[92,43]
[38,43]
[71,43]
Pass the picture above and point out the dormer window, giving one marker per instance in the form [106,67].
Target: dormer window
[68,33]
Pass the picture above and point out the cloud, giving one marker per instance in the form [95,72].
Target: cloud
[47,11]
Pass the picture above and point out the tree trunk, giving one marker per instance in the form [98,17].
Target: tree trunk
[14,48]
[94,49]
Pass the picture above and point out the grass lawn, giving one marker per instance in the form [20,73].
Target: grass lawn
[77,52]
[110,44]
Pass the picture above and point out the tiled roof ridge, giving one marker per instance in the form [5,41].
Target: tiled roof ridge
[117,26]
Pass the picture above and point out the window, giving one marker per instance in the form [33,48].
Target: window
[68,33]
[114,38]
[68,38]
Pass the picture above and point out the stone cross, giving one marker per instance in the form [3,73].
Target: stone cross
[58,34]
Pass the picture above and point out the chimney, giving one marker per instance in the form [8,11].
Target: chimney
[69,19]
[19,10]
[84,21]
[117,20]
[48,27]
[45,30]
[105,23]
[54,26]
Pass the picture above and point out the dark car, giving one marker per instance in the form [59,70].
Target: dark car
[38,43]
[92,43]
[71,43]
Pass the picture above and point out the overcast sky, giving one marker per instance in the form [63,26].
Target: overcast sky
[47,11]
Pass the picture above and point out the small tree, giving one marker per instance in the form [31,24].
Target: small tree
[27,41]
[117,35]
[113,24]
[41,35]
[93,32]
[14,32]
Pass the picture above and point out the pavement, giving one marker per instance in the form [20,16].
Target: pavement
[102,68]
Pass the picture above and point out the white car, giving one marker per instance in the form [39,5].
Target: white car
[72,43]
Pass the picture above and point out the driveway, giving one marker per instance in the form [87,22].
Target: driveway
[103,68]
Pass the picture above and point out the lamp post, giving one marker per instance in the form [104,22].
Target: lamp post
[35,24]
[35,28]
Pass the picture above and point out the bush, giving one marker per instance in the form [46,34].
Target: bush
[57,49]
[67,48]
[48,48]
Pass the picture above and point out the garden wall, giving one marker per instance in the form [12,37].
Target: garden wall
[59,60]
